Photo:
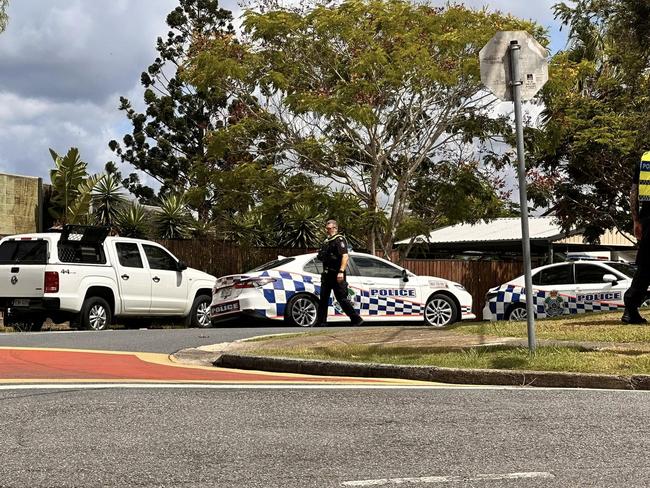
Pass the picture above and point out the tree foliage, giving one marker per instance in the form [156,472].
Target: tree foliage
[364,93]
[265,206]
[4,18]
[595,118]
[107,200]
[167,140]
[72,188]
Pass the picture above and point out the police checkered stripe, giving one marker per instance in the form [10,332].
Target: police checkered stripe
[509,294]
[287,284]
[279,292]
[575,307]
[379,305]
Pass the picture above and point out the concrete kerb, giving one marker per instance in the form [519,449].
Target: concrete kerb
[434,374]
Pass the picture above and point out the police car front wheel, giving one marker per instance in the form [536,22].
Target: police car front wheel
[440,311]
[302,311]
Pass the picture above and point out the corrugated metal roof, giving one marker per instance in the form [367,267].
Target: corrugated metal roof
[503,229]
[609,238]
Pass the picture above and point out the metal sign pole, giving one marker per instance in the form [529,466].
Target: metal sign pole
[523,198]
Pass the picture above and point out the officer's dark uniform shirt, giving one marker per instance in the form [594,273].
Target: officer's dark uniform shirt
[644,207]
[332,252]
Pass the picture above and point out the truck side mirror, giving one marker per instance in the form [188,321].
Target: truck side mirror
[181,266]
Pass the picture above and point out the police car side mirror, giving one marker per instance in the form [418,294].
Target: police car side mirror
[405,276]
[610,278]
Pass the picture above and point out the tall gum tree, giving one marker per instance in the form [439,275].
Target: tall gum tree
[367,91]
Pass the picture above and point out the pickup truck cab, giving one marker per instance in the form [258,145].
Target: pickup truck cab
[83,275]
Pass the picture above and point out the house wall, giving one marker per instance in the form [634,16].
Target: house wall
[20,198]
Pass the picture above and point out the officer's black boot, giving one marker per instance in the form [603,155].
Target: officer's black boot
[632,316]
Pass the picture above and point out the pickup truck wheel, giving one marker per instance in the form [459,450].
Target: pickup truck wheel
[95,314]
[200,313]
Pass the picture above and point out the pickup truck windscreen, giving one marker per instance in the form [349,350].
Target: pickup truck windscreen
[23,252]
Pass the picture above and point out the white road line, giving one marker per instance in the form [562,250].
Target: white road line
[450,479]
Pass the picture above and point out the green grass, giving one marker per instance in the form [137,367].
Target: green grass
[502,357]
[592,327]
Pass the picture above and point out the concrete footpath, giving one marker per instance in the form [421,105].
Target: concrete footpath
[249,355]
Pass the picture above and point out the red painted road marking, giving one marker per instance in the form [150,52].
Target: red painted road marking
[37,365]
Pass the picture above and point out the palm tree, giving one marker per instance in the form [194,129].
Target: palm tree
[107,200]
[134,221]
[300,226]
[71,188]
[173,219]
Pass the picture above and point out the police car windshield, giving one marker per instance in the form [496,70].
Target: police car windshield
[272,264]
[626,268]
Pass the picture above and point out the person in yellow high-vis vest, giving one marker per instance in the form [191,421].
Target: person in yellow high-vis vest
[640,207]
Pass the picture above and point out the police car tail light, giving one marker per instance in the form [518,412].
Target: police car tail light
[254,282]
[51,284]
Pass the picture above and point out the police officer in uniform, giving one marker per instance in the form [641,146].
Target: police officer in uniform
[334,255]
[640,206]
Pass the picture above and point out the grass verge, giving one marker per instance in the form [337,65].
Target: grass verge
[590,327]
[502,357]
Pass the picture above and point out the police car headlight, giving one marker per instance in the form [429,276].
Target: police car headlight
[254,282]
[459,286]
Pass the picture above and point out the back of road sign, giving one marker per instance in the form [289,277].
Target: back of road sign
[495,65]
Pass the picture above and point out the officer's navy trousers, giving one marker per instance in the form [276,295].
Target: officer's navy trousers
[638,291]
[328,283]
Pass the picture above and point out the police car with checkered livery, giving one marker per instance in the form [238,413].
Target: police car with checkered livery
[288,289]
[562,289]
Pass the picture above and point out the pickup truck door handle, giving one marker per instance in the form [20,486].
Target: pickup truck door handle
[156,279]
[15,270]
[125,276]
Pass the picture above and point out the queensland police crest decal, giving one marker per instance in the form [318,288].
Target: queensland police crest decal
[554,304]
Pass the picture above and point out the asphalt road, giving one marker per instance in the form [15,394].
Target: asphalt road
[268,437]
[138,340]
[324,438]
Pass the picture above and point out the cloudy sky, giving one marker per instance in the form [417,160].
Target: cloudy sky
[65,63]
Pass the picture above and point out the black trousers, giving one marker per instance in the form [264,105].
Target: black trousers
[328,283]
[638,290]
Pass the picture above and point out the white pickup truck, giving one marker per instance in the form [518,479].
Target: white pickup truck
[81,274]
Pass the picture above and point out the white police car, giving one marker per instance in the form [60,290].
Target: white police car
[560,289]
[288,289]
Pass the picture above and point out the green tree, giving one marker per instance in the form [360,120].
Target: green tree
[107,200]
[4,18]
[134,220]
[172,218]
[72,188]
[366,91]
[167,140]
[595,119]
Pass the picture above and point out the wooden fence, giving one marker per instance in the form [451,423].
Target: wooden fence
[219,259]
